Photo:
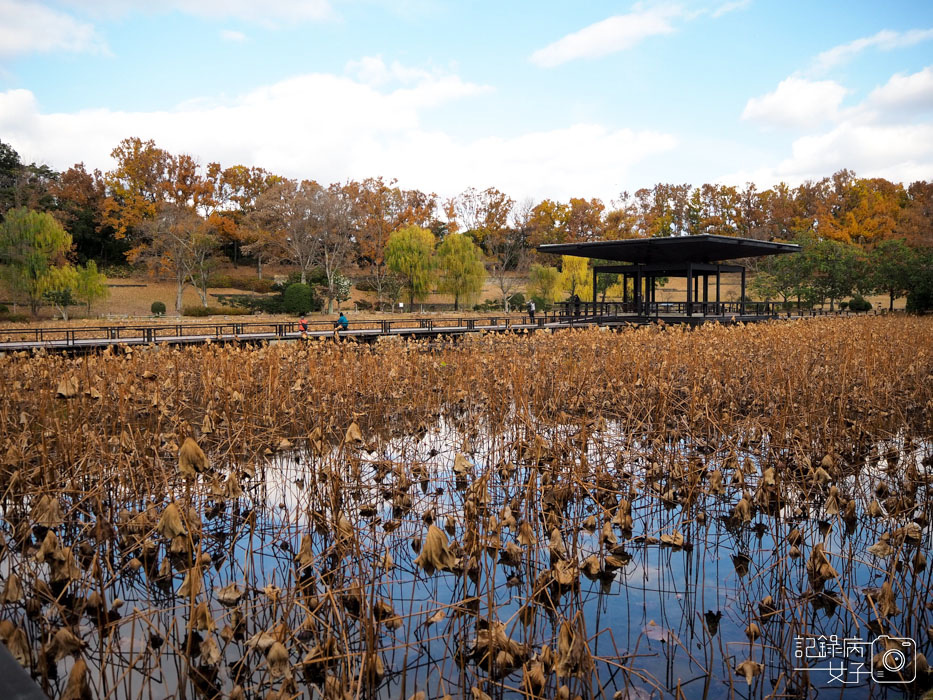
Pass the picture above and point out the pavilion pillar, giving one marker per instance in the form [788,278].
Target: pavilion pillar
[718,309]
[689,289]
[625,288]
[742,306]
[594,290]
[705,293]
[636,299]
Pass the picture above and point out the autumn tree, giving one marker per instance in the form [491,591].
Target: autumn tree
[576,277]
[167,245]
[234,198]
[915,221]
[10,167]
[584,220]
[836,269]
[482,214]
[58,288]
[547,223]
[891,266]
[81,197]
[32,245]
[621,221]
[136,186]
[68,285]
[544,283]
[410,254]
[383,208]
[91,285]
[461,267]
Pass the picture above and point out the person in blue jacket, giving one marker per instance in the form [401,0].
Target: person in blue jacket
[342,323]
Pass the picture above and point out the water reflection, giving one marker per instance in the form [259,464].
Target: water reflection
[568,563]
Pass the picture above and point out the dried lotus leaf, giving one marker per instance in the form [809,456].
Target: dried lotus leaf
[191,459]
[435,553]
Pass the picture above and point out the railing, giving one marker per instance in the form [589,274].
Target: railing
[253,329]
[589,309]
[564,313]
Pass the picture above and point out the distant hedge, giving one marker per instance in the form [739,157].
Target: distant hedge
[248,284]
[202,311]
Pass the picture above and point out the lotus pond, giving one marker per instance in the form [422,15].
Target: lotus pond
[709,513]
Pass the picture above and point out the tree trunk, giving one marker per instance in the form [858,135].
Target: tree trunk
[259,266]
[456,302]
[891,303]
[178,292]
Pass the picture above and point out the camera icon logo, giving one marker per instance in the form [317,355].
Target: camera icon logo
[892,659]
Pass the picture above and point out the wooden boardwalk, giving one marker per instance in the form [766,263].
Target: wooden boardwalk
[92,339]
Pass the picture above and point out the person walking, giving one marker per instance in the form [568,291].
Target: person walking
[531,310]
[303,326]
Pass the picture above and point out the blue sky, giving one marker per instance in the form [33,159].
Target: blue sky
[543,99]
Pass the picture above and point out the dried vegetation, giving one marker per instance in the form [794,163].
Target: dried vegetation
[582,514]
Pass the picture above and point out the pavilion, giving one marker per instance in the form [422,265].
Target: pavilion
[694,257]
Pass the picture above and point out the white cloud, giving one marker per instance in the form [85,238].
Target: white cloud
[263,12]
[796,103]
[26,27]
[888,134]
[903,95]
[331,128]
[886,40]
[728,7]
[608,36]
[232,35]
[372,70]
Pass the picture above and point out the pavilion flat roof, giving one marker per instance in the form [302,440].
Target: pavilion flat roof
[705,248]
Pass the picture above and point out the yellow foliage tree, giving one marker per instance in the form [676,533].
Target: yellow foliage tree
[576,277]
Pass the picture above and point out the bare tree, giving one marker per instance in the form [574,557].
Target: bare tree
[168,246]
[508,252]
[289,211]
[311,226]
[338,220]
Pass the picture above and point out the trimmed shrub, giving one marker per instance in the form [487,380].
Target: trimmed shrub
[314,276]
[247,284]
[157,308]
[517,301]
[252,304]
[541,304]
[859,303]
[488,305]
[219,279]
[201,311]
[261,286]
[4,309]
[298,299]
